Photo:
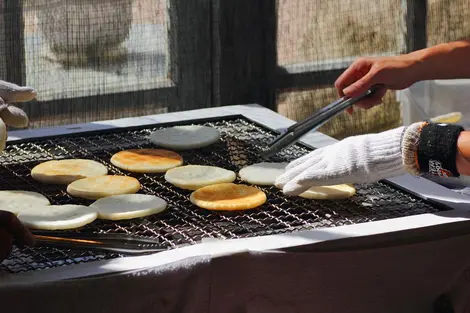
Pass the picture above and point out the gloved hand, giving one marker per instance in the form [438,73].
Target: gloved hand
[359,159]
[11,115]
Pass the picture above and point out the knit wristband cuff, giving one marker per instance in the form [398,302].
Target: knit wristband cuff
[410,144]
[437,149]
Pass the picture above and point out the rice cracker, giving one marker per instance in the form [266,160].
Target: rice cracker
[124,207]
[67,171]
[333,192]
[193,177]
[146,160]
[264,173]
[57,217]
[16,201]
[228,197]
[185,137]
[94,188]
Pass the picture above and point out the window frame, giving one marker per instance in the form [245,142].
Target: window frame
[221,53]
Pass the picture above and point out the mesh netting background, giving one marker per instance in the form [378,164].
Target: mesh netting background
[78,49]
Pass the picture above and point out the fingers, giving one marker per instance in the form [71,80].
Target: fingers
[316,179]
[356,80]
[293,188]
[14,116]
[10,223]
[310,163]
[373,99]
[13,93]
[361,85]
[353,73]
[25,94]
[312,176]
[3,135]
[3,105]
[6,244]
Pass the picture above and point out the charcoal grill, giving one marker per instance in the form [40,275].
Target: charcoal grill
[183,223]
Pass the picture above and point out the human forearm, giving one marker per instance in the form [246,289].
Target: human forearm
[462,159]
[443,61]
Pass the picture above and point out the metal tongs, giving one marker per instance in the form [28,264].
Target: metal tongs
[119,243]
[294,132]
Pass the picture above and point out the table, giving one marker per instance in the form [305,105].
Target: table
[396,265]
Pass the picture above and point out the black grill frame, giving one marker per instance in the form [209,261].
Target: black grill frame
[183,223]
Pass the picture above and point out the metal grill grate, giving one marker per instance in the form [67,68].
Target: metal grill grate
[183,223]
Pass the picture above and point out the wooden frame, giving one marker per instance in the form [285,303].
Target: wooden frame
[244,52]
[190,52]
[13,69]
[415,21]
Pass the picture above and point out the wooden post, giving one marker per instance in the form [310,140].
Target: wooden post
[13,39]
[244,52]
[416,28]
[189,52]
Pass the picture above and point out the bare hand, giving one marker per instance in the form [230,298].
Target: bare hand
[395,73]
[12,229]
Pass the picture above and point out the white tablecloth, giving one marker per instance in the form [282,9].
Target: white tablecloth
[402,278]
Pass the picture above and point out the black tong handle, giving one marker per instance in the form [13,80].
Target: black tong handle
[119,243]
[313,122]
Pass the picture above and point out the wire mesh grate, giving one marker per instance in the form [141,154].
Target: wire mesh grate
[183,223]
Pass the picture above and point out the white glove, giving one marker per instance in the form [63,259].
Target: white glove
[359,159]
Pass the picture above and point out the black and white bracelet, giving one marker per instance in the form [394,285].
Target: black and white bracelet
[437,149]
[431,148]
